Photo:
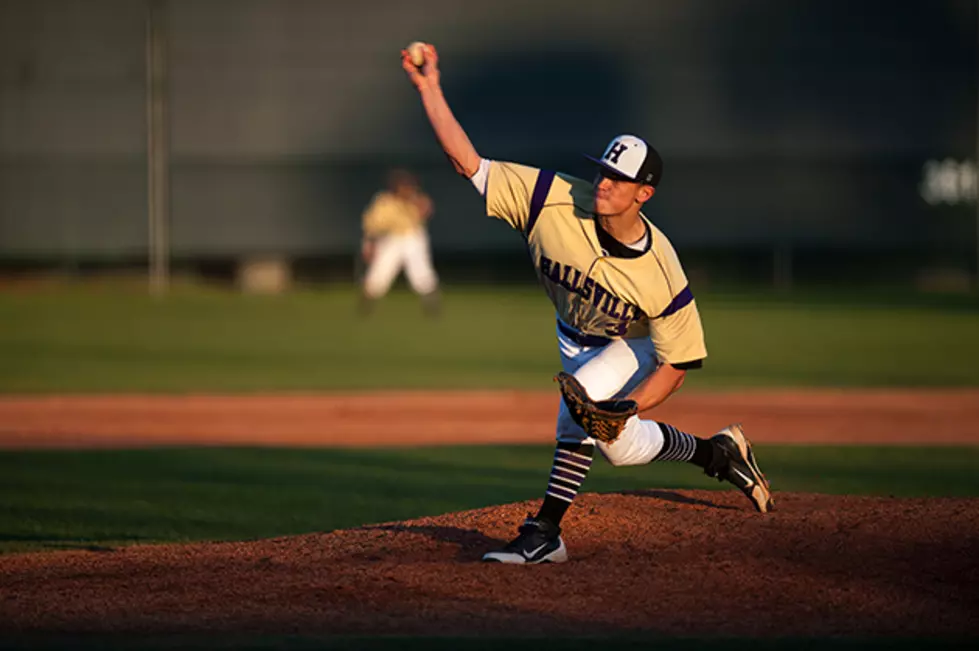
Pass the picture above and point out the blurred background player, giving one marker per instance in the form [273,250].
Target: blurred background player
[396,238]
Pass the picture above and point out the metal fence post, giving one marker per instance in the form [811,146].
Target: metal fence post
[157,147]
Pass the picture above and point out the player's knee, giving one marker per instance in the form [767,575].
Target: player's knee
[632,448]
[628,460]
[617,461]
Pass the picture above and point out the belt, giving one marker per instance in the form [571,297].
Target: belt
[580,338]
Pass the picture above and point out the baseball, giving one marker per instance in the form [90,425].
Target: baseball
[416,51]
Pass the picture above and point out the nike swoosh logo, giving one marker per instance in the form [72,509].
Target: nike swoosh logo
[530,555]
[751,482]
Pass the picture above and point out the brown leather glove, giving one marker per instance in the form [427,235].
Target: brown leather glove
[602,420]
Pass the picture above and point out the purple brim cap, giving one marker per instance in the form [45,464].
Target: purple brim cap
[605,165]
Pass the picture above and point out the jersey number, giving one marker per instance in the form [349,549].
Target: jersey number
[618,330]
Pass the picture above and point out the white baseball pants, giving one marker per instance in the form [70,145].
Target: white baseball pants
[409,251]
[611,371]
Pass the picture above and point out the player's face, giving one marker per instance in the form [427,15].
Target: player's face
[405,189]
[615,195]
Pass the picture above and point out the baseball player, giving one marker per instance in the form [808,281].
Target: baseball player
[394,238]
[628,329]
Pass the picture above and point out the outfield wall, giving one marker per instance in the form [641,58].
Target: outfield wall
[819,124]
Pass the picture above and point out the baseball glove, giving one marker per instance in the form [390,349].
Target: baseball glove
[602,420]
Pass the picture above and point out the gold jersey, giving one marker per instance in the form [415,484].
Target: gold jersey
[598,286]
[388,214]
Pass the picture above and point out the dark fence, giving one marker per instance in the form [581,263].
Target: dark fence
[800,134]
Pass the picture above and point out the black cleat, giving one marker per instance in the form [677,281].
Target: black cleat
[735,462]
[539,542]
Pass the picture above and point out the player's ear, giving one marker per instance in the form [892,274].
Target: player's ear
[645,193]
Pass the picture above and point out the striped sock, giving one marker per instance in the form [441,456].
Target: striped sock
[571,465]
[677,445]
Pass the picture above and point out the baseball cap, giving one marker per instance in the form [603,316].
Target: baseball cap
[633,158]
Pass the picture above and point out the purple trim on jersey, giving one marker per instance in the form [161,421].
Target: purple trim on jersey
[541,188]
[678,303]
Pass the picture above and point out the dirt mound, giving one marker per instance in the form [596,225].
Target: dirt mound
[671,562]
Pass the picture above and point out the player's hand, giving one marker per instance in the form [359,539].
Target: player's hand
[428,75]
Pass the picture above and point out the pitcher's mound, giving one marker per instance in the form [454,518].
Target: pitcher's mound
[694,563]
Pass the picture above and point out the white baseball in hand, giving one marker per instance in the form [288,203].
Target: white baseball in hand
[416,51]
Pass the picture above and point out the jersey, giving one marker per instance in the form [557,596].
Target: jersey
[597,285]
[388,214]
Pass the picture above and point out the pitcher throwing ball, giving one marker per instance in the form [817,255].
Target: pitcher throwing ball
[628,329]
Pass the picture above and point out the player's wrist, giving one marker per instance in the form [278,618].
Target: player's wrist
[430,87]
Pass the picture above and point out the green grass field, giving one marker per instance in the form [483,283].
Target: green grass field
[108,339]
[68,499]
[113,339]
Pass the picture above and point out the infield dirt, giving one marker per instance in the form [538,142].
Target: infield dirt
[669,562]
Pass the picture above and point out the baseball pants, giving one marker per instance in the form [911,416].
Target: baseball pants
[611,371]
[409,251]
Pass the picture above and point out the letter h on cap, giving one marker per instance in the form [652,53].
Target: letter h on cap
[615,151]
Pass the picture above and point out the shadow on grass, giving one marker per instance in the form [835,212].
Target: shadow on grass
[40,542]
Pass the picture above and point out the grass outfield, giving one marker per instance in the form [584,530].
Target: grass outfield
[110,339]
[72,499]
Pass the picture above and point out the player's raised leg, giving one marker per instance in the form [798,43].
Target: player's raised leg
[727,456]
[614,371]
